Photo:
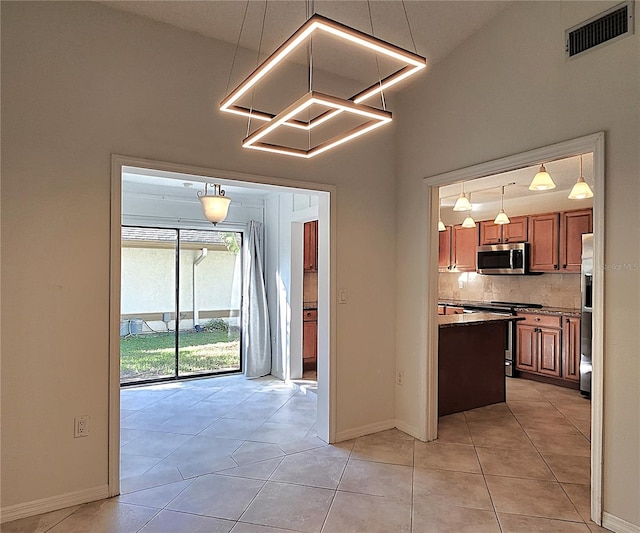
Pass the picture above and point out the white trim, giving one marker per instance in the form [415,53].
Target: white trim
[53,503]
[429,381]
[360,431]
[618,525]
[327,390]
[408,429]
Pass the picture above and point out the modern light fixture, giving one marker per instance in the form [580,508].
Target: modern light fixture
[468,222]
[462,203]
[542,181]
[581,189]
[502,217]
[216,205]
[411,64]
[441,226]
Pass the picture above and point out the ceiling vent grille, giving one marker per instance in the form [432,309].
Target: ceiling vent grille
[612,24]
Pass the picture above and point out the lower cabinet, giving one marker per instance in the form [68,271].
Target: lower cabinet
[548,345]
[309,339]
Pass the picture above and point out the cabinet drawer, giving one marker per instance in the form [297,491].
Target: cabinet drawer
[545,321]
[310,315]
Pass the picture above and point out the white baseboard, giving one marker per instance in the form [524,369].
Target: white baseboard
[53,503]
[408,429]
[365,430]
[618,525]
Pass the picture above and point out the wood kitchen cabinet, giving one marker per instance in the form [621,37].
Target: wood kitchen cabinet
[544,235]
[538,344]
[311,246]
[572,225]
[444,250]
[309,339]
[516,231]
[464,244]
[571,348]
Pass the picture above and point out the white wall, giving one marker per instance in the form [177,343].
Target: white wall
[509,89]
[81,81]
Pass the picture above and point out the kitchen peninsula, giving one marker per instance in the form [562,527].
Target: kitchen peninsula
[471,358]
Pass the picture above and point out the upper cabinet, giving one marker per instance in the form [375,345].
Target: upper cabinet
[464,244]
[311,246]
[572,225]
[516,231]
[444,250]
[556,240]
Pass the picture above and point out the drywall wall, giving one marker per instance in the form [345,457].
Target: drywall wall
[80,82]
[508,89]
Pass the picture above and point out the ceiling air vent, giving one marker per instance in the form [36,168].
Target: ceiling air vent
[612,24]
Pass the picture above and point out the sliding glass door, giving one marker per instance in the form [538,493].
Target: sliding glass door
[180,311]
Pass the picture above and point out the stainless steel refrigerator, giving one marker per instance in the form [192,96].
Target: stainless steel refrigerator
[586,285]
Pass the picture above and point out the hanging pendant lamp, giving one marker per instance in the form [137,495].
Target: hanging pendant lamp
[581,189]
[462,203]
[468,222]
[216,205]
[441,226]
[542,181]
[502,217]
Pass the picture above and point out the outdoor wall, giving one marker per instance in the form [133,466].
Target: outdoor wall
[508,89]
[80,82]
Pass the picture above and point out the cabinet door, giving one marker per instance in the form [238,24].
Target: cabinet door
[490,233]
[572,226]
[309,344]
[453,310]
[544,242]
[549,354]
[526,348]
[465,244]
[571,349]
[517,230]
[444,249]
[311,246]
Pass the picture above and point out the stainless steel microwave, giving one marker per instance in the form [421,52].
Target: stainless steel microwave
[503,258]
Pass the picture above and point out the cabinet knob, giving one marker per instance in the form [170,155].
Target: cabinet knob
[499,240]
[507,239]
[555,266]
[564,266]
[537,319]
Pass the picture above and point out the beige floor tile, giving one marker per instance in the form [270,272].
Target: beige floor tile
[217,496]
[106,516]
[580,495]
[524,394]
[155,444]
[186,424]
[277,432]
[450,488]
[559,443]
[576,410]
[449,519]
[189,469]
[357,513]
[231,428]
[136,465]
[496,412]
[242,527]
[38,524]
[340,449]
[454,429]
[512,523]
[261,470]
[165,472]
[584,427]
[253,452]
[390,446]
[531,497]
[157,497]
[302,445]
[290,507]
[509,463]
[446,456]
[378,479]
[570,468]
[205,448]
[595,528]
[505,435]
[310,470]
[174,522]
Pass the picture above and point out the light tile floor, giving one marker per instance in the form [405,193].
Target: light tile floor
[229,454]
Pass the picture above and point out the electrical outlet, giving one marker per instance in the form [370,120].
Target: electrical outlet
[400,378]
[81,426]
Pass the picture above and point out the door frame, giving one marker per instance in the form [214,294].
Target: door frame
[327,390]
[429,373]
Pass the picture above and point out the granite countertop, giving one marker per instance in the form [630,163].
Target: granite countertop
[309,306]
[564,311]
[471,319]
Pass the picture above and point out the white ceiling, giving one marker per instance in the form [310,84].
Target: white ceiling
[437,26]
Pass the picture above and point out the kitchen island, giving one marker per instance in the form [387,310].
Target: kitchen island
[471,360]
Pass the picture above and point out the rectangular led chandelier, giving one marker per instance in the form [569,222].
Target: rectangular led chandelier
[317,23]
[375,118]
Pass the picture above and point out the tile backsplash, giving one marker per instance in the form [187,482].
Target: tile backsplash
[550,290]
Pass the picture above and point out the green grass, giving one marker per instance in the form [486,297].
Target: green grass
[152,356]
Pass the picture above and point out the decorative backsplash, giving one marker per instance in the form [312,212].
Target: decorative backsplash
[551,290]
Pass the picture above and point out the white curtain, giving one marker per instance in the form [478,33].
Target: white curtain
[256,337]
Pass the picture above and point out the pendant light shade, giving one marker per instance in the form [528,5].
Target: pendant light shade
[581,189]
[542,181]
[441,226]
[462,203]
[216,205]
[502,217]
[469,222]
